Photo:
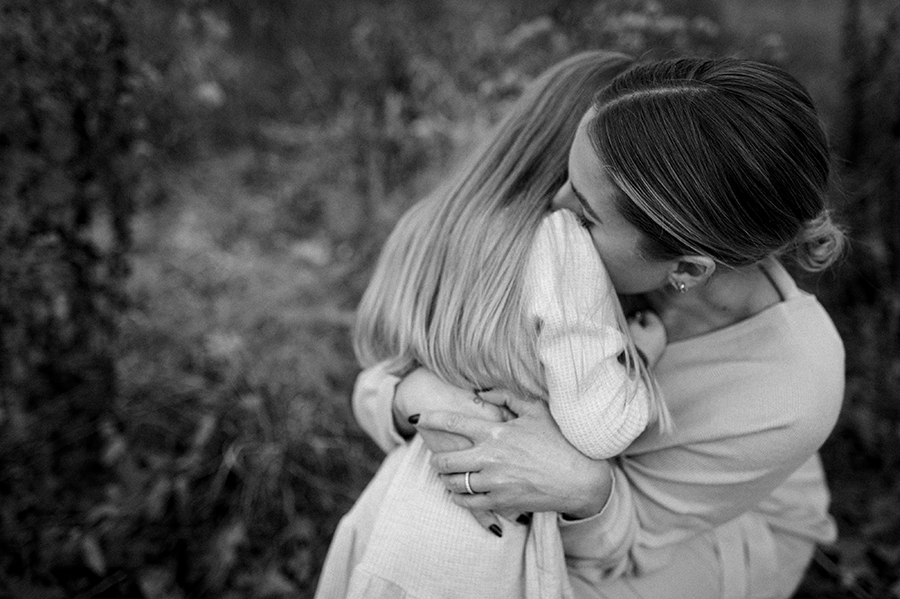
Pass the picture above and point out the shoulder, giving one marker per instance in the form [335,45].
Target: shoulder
[775,381]
[805,353]
[801,330]
[809,362]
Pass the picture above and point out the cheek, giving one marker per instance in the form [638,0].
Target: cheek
[612,257]
[629,272]
[611,249]
[565,199]
[625,280]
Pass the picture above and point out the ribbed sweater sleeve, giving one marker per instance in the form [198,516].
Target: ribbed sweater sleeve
[598,407]
[372,403]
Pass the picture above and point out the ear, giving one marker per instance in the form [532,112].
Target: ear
[691,271]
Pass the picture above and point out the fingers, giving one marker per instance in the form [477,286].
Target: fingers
[497,397]
[479,501]
[639,317]
[456,483]
[442,441]
[489,410]
[649,334]
[474,429]
[513,404]
[514,516]
[457,463]
[461,484]
[482,506]
[489,521]
[644,319]
[643,316]
[476,502]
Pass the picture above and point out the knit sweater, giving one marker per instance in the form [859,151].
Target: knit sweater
[751,405]
[405,538]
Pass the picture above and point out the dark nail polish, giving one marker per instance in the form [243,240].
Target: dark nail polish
[524,519]
[413,419]
[494,528]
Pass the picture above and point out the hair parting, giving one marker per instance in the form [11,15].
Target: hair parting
[725,158]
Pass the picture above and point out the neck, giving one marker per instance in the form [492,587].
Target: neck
[727,297]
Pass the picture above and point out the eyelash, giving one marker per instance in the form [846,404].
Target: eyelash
[587,224]
[582,219]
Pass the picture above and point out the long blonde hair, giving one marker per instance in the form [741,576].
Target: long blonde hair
[447,292]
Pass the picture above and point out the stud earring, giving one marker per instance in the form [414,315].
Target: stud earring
[679,285]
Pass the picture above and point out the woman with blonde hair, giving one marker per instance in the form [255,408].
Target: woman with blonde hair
[697,178]
[484,286]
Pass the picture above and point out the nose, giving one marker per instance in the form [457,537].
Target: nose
[565,198]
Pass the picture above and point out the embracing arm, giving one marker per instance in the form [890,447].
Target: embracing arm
[624,515]
[656,504]
[745,429]
[382,404]
[642,508]
[372,403]
[598,406]
[769,419]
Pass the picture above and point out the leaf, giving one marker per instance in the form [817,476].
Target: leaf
[895,590]
[157,499]
[25,590]
[274,583]
[92,554]
[205,430]
[159,583]
[224,554]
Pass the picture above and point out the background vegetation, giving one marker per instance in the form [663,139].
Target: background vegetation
[192,193]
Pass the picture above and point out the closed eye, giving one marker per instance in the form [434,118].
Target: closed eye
[585,221]
[586,210]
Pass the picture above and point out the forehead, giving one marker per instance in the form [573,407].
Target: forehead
[587,170]
[582,152]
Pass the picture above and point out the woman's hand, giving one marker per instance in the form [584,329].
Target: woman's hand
[523,465]
[649,334]
[422,391]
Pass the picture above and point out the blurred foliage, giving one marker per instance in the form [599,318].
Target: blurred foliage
[863,295]
[66,177]
[269,147]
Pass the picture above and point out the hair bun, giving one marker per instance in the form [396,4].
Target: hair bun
[819,244]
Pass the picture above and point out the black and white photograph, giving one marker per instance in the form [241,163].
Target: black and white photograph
[450,299]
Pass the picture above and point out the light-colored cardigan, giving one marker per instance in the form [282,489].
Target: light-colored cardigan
[751,405]
[405,538]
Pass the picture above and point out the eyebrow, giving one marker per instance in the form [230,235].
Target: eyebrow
[584,203]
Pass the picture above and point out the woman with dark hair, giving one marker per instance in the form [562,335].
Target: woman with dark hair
[696,178]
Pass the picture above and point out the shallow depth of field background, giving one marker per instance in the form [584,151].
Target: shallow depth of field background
[192,194]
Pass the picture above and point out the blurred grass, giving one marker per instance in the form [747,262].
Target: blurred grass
[236,373]
[804,34]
